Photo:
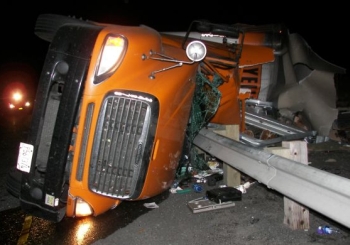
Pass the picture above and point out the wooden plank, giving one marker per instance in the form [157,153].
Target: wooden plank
[297,151]
[232,177]
[296,216]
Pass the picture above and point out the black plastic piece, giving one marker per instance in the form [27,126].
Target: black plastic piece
[224,194]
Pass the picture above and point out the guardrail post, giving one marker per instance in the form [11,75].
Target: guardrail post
[296,216]
[232,177]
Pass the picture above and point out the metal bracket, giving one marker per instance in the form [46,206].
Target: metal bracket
[285,132]
[203,205]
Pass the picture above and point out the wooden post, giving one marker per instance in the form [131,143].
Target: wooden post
[232,177]
[296,216]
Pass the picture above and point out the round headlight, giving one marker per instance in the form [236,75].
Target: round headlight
[196,51]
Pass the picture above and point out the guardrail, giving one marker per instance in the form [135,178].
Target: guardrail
[319,190]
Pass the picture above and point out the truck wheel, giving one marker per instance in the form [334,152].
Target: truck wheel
[13,182]
[47,25]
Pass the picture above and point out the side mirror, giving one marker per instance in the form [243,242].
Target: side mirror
[195,51]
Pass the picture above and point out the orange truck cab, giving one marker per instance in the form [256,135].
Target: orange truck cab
[115,103]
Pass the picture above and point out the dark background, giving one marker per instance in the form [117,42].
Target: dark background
[324,27]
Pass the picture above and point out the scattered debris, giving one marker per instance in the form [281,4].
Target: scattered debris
[243,188]
[203,204]
[151,205]
[254,220]
[179,190]
[326,230]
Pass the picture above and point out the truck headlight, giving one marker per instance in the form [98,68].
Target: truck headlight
[82,208]
[111,56]
[196,51]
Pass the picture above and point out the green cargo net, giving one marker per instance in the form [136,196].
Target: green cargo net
[205,103]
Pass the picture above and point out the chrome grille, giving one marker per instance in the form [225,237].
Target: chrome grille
[117,163]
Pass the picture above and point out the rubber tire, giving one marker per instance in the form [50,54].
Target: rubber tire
[13,182]
[47,25]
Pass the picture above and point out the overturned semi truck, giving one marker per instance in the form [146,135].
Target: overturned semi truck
[117,107]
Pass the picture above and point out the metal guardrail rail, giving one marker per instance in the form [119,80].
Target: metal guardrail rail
[319,190]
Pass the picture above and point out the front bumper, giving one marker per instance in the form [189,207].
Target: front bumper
[44,189]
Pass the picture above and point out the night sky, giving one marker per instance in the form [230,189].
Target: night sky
[324,29]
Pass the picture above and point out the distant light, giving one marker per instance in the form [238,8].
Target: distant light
[17,96]
[19,107]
